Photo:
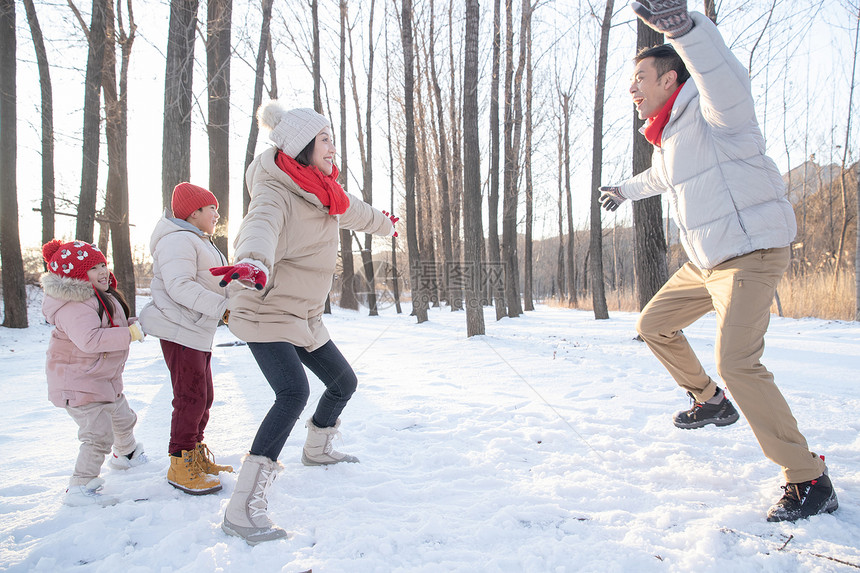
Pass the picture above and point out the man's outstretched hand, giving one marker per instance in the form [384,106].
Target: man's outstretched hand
[669,17]
[611,198]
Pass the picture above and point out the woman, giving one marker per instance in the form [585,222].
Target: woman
[287,249]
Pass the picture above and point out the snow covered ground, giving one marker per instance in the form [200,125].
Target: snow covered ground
[545,446]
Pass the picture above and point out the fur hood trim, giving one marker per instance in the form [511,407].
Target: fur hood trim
[65,288]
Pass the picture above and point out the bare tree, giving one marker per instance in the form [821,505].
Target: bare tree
[598,294]
[425,184]
[178,76]
[649,242]
[347,291]
[47,95]
[91,140]
[395,279]
[573,297]
[513,128]
[419,300]
[528,297]
[842,172]
[711,10]
[493,245]
[218,30]
[472,225]
[316,55]
[560,281]
[14,292]
[260,72]
[116,132]
[456,153]
[366,154]
[443,153]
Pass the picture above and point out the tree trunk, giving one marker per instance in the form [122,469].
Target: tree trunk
[711,10]
[419,298]
[494,258]
[528,296]
[178,95]
[48,207]
[843,191]
[559,281]
[442,173]
[316,52]
[456,153]
[598,294]
[649,248]
[14,292]
[425,190]
[92,125]
[857,257]
[573,296]
[260,74]
[347,290]
[395,275]
[513,128]
[218,29]
[365,148]
[116,132]
[472,219]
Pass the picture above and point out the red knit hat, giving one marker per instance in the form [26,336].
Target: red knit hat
[187,198]
[72,259]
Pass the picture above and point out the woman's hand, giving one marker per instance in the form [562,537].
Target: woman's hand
[393,220]
[245,271]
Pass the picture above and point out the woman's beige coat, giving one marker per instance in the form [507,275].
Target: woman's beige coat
[292,234]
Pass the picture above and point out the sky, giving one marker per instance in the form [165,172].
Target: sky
[818,70]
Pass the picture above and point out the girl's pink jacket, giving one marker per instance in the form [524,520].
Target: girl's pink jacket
[86,355]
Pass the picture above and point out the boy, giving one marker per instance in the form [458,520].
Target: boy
[187,304]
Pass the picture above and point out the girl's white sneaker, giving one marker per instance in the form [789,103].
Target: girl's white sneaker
[81,495]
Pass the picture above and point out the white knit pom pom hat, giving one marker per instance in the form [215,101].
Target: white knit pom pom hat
[290,129]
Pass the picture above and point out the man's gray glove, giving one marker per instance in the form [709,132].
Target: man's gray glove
[669,17]
[611,198]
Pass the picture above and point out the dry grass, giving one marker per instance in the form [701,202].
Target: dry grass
[799,296]
[815,296]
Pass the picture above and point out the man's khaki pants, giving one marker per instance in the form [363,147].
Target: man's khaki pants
[740,290]
[101,425]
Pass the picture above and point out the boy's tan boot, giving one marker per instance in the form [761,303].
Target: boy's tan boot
[206,460]
[186,474]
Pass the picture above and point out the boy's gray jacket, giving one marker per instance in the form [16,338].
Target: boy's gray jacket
[727,196]
[187,302]
[292,234]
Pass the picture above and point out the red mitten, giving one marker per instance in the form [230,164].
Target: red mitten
[393,220]
[243,271]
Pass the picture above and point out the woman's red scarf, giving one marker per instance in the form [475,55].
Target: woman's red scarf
[653,131]
[311,179]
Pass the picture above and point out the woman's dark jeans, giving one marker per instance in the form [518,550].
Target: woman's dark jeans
[281,363]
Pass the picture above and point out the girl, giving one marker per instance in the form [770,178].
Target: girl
[86,356]
[287,250]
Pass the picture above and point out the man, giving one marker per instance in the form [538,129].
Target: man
[736,226]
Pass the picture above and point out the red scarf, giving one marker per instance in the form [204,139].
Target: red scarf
[311,179]
[653,131]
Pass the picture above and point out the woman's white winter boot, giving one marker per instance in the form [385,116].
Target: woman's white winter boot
[246,511]
[318,450]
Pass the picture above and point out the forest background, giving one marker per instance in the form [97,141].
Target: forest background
[489,146]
